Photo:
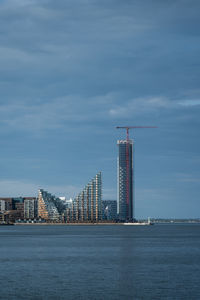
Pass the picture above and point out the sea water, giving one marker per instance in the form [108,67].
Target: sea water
[100,262]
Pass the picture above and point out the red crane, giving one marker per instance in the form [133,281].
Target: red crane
[132,127]
[127,159]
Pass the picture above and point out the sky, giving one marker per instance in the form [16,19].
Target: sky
[73,70]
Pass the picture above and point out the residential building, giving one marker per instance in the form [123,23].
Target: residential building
[18,207]
[29,208]
[86,207]
[2,205]
[48,206]
[8,203]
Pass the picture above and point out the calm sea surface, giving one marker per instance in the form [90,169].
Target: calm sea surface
[100,262]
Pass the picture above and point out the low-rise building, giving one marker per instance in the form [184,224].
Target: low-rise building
[29,209]
[18,208]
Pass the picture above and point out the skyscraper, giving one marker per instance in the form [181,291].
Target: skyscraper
[125,180]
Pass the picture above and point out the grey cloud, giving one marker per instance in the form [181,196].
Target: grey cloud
[54,113]
[192,102]
[142,105]
[13,188]
[91,47]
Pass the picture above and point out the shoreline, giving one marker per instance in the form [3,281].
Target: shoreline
[82,224]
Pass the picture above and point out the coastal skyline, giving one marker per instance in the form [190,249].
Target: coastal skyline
[72,72]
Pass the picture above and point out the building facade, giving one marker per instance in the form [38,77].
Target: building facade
[2,205]
[8,203]
[87,206]
[16,209]
[109,210]
[18,206]
[29,209]
[125,180]
[47,209]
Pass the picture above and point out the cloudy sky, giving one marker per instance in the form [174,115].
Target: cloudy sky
[72,70]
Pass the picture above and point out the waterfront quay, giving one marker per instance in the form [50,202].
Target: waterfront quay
[84,224]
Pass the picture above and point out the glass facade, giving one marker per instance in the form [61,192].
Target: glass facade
[125,180]
[109,210]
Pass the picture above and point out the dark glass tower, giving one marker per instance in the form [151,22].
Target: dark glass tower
[125,180]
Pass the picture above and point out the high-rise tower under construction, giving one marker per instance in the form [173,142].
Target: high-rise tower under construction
[125,176]
[125,180]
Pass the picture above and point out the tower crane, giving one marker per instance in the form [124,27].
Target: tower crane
[132,127]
